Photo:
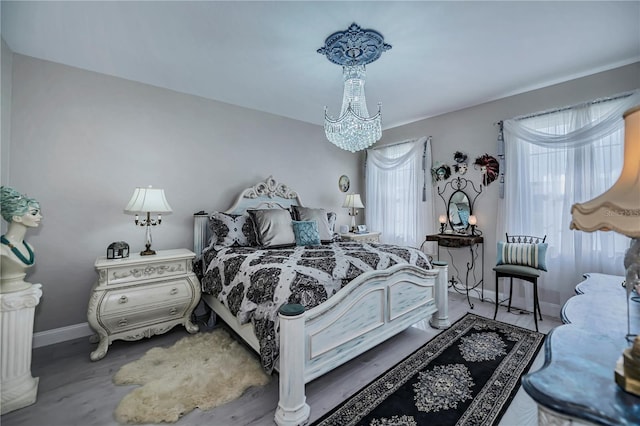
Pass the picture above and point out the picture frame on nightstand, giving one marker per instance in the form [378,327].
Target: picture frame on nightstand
[361,229]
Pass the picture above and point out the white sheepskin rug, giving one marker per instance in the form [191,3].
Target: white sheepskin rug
[204,370]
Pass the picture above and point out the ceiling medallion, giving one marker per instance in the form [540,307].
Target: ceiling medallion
[354,48]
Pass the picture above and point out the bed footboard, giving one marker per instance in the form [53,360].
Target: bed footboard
[369,310]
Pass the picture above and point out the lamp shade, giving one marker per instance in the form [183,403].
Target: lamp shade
[149,199]
[353,201]
[618,209]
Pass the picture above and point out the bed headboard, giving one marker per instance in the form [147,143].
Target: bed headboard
[268,194]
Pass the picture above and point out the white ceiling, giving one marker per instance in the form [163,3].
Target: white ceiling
[262,55]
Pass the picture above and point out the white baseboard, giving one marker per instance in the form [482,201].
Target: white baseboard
[62,334]
[548,309]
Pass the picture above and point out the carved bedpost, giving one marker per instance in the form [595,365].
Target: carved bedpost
[292,407]
[200,223]
[440,319]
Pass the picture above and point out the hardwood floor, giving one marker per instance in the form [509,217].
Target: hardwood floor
[76,391]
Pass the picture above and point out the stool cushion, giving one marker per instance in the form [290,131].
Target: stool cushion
[526,271]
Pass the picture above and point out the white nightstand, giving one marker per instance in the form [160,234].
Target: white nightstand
[141,296]
[368,237]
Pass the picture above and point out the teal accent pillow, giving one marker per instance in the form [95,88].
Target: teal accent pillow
[306,233]
[533,255]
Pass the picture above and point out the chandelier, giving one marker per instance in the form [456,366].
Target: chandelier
[354,48]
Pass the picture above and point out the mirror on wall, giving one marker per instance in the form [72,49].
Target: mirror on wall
[459,206]
[459,210]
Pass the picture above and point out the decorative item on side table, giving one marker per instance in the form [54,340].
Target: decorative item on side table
[364,237]
[148,200]
[618,209]
[353,48]
[18,300]
[118,250]
[443,222]
[473,222]
[353,202]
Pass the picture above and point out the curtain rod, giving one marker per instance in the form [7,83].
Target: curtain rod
[398,143]
[553,111]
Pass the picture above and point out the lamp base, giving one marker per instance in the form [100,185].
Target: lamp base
[147,251]
[354,228]
[627,372]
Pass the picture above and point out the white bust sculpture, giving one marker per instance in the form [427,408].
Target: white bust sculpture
[16,255]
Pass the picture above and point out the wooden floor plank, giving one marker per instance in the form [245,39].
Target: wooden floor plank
[73,390]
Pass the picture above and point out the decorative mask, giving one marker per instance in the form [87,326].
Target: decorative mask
[489,167]
[440,172]
[461,168]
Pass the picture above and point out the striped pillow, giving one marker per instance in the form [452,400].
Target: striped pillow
[522,254]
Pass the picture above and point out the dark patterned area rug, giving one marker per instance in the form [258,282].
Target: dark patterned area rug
[466,375]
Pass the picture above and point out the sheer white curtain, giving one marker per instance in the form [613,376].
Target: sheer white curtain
[395,183]
[553,161]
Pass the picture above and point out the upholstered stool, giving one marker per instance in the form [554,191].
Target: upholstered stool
[526,273]
[516,259]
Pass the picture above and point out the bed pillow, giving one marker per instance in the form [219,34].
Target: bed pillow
[306,233]
[320,216]
[229,230]
[273,227]
[533,255]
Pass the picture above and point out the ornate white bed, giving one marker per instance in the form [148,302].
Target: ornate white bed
[368,310]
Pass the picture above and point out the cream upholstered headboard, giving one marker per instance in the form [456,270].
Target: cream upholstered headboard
[268,194]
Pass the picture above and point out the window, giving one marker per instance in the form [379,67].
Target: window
[554,160]
[395,180]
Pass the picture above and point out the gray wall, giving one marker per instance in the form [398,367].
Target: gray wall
[81,142]
[6,63]
[472,131]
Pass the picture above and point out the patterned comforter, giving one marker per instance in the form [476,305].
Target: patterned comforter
[253,283]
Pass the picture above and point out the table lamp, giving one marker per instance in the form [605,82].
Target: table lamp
[443,222]
[353,202]
[473,221]
[148,200]
[618,209]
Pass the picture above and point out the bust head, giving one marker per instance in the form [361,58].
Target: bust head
[16,205]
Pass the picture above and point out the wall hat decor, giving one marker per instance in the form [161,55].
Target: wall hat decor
[489,167]
[460,165]
[353,48]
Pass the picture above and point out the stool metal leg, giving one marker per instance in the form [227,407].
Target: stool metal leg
[536,307]
[510,293]
[497,298]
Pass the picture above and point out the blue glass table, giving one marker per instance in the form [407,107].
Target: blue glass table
[577,379]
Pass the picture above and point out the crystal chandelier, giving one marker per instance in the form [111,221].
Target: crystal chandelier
[353,130]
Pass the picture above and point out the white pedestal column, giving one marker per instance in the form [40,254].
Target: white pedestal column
[17,309]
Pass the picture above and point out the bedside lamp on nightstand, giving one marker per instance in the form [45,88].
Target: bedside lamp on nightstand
[148,200]
[353,202]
